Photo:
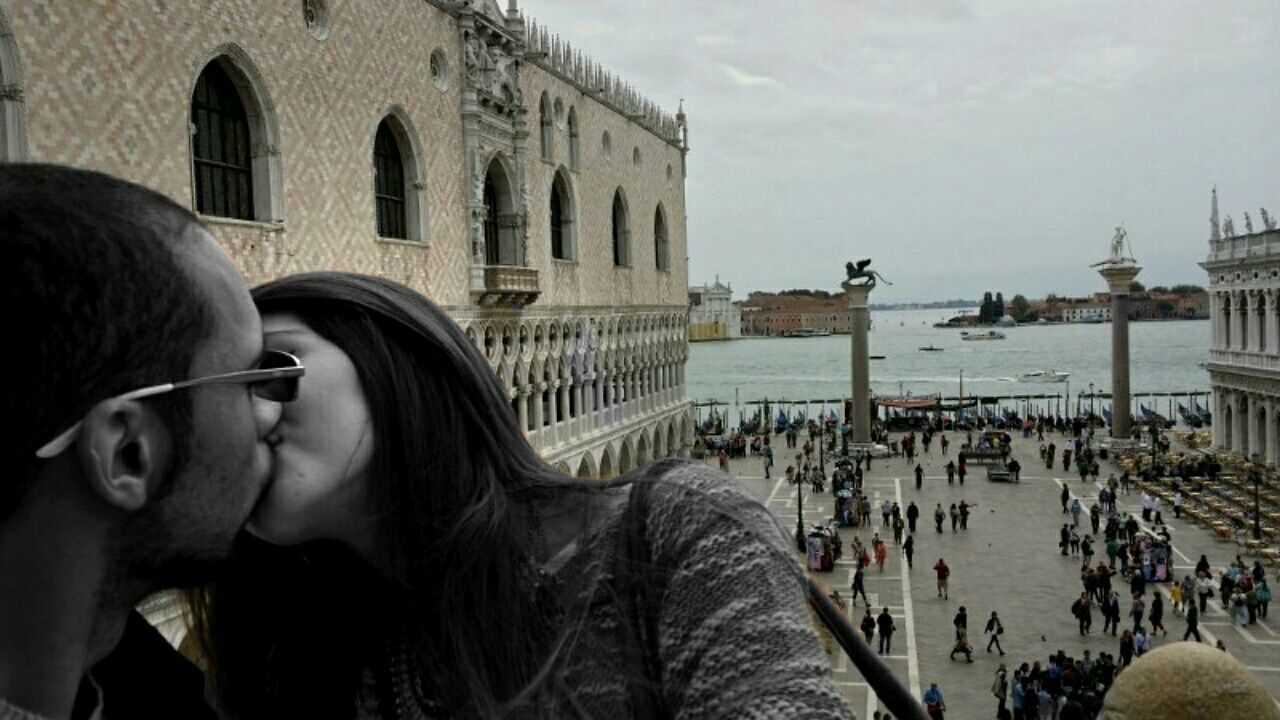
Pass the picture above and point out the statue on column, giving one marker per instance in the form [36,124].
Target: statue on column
[1118,255]
[860,271]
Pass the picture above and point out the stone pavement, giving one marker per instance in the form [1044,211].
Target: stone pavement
[1008,560]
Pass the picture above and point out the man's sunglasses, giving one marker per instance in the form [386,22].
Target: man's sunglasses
[276,379]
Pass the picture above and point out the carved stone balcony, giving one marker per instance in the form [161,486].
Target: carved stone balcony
[509,285]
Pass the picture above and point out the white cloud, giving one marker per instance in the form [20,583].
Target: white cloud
[742,78]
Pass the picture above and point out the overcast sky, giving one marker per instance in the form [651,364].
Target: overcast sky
[963,145]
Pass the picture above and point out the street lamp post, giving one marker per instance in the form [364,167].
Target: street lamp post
[1256,477]
[1091,403]
[799,511]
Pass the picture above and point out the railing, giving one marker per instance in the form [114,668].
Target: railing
[1258,244]
[1245,358]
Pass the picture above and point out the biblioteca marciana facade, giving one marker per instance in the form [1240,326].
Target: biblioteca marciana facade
[1244,357]
[451,145]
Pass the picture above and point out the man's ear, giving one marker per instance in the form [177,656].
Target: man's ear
[124,452]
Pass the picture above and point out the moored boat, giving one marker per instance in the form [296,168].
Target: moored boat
[988,335]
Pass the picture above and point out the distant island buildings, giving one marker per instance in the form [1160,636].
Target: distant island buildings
[712,313]
[1244,350]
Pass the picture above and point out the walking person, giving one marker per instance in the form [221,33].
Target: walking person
[1157,613]
[955,516]
[995,629]
[919,476]
[1193,622]
[884,623]
[939,515]
[1076,509]
[898,527]
[964,514]
[951,472]
[961,471]
[1082,608]
[933,702]
[858,587]
[913,513]
[909,549]
[1137,610]
[1065,497]
[962,645]
[961,621]
[1111,613]
[1000,688]
[868,626]
[768,460]
[944,573]
[882,553]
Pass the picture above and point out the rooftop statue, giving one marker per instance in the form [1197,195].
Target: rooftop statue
[1268,222]
[1228,227]
[1248,224]
[860,271]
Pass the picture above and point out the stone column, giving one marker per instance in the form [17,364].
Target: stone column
[522,409]
[859,360]
[1268,444]
[1240,309]
[1239,414]
[1215,406]
[1119,277]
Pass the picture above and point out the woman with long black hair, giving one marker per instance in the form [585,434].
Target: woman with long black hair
[414,557]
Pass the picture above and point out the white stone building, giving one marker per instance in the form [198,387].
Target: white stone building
[1244,356]
[1086,313]
[712,314]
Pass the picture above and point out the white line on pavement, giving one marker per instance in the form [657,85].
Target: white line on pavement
[913,659]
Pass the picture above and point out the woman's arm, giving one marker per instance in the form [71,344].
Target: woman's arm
[734,637]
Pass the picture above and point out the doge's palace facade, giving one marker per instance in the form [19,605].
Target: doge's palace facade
[451,145]
[1244,356]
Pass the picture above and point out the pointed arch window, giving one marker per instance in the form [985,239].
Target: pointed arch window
[223,165]
[660,249]
[620,231]
[491,247]
[563,245]
[573,139]
[545,120]
[389,184]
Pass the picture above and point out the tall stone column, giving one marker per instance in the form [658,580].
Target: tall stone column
[1119,277]
[1268,428]
[859,360]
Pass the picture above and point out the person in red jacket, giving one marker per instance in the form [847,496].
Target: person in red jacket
[944,572]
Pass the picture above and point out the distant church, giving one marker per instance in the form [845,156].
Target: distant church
[713,314]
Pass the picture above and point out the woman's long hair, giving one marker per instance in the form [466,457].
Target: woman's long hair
[452,478]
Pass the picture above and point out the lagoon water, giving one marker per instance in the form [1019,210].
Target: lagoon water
[1166,357]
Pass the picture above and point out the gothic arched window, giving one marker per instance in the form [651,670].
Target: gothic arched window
[389,184]
[223,166]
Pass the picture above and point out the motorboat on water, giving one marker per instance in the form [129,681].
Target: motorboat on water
[1044,376]
[988,335]
[808,332]
[930,348]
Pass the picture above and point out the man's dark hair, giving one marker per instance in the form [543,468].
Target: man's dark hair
[98,301]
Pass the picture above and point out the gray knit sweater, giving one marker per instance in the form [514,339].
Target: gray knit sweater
[733,636]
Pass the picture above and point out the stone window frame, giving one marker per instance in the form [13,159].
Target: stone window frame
[546,127]
[662,253]
[266,161]
[620,238]
[569,216]
[575,146]
[417,212]
[13,122]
